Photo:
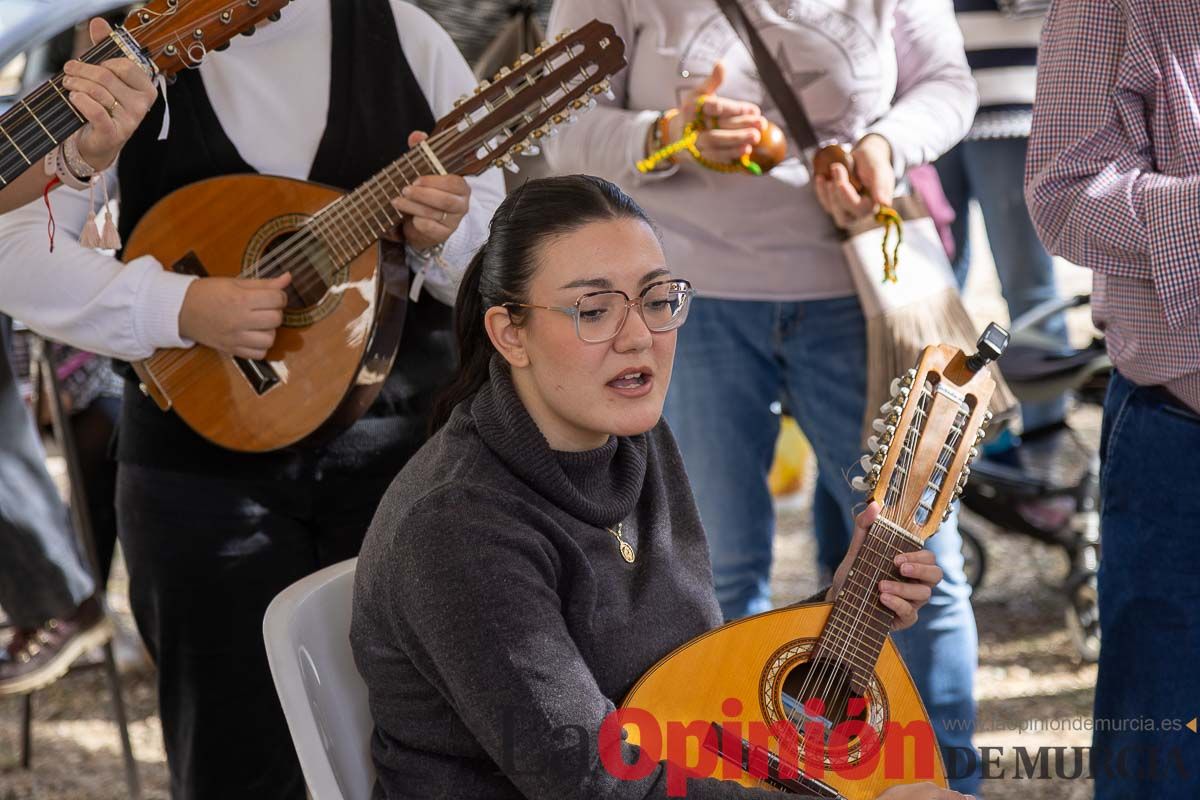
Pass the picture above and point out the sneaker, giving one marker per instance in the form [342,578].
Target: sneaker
[36,657]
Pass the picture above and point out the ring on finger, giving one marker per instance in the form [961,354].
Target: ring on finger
[112,110]
[442,218]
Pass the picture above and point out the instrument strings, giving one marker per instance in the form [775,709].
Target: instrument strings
[825,676]
[50,99]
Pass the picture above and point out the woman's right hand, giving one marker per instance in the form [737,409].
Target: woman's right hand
[237,316]
[739,125]
[922,791]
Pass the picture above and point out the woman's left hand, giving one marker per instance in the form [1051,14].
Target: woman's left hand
[433,206]
[904,598]
[872,158]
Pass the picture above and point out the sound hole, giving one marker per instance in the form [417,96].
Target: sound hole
[819,696]
[313,268]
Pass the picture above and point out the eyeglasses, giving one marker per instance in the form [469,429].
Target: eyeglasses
[599,316]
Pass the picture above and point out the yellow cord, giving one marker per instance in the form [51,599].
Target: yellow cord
[891,221]
[688,142]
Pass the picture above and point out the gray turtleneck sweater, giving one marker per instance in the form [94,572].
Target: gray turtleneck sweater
[495,621]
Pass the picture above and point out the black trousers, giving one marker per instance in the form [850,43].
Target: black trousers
[206,555]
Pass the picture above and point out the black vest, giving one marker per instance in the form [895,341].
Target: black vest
[375,102]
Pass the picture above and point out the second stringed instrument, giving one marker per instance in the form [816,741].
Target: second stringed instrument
[341,326]
[162,37]
[815,699]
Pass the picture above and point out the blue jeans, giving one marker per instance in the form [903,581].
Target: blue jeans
[733,360]
[1149,597]
[992,171]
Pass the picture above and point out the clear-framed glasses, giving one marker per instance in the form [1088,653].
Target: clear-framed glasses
[599,316]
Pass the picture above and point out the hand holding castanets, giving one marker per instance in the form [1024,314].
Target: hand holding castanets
[852,185]
[720,134]
[735,126]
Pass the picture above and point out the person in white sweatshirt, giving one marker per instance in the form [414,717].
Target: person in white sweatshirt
[776,316]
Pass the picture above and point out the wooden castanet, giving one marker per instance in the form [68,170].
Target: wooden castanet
[225,224]
[752,661]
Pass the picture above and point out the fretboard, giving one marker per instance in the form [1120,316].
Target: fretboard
[859,623]
[358,220]
[38,122]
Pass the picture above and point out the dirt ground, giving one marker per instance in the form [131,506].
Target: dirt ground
[1029,673]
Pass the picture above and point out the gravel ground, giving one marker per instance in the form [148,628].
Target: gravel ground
[1029,672]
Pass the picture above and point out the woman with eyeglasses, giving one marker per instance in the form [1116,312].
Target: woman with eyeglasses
[543,549]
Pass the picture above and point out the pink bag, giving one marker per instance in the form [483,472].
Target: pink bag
[926,183]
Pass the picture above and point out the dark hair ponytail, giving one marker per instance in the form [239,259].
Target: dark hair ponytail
[539,210]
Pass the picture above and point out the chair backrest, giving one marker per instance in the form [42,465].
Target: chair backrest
[307,633]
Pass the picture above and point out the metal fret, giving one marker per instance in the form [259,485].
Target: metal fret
[38,121]
[66,102]
[16,147]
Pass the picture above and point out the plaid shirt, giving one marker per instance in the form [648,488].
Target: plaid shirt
[1113,175]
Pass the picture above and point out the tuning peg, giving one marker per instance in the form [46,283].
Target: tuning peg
[894,389]
[987,417]
[866,464]
[522,60]
[510,165]
[878,426]
[966,473]
[946,514]
[880,454]
[873,443]
[859,485]
[249,31]
[275,16]
[972,454]
[886,408]
[980,435]
[563,35]
[222,47]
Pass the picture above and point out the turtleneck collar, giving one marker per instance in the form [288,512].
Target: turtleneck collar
[600,487]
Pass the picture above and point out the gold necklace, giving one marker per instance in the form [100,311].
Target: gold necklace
[626,549]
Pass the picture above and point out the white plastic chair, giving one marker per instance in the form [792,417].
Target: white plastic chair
[307,630]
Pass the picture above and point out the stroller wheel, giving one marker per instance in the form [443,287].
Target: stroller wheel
[1083,618]
[974,557]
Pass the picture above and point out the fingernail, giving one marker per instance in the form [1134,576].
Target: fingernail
[406,191]
[907,569]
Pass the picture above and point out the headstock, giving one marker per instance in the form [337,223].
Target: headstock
[178,34]
[929,433]
[510,114]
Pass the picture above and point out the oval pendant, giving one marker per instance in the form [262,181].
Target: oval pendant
[627,552]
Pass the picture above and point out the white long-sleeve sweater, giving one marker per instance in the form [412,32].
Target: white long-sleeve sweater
[892,67]
[271,95]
